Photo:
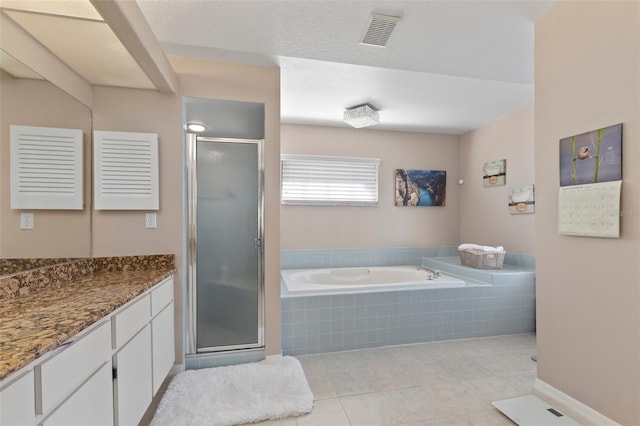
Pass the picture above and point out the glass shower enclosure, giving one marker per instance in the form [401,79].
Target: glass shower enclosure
[225,272]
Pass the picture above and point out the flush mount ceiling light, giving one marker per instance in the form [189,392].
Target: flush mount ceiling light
[196,127]
[361,116]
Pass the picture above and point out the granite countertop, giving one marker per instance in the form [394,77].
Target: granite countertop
[40,320]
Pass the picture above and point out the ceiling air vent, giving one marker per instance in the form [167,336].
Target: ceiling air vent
[379,29]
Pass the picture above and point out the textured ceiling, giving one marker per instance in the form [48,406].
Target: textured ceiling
[449,66]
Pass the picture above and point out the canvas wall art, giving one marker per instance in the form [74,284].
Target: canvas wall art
[494,173]
[420,187]
[591,157]
[521,199]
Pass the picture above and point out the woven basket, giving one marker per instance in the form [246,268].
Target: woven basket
[481,259]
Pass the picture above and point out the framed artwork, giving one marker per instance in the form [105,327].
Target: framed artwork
[420,187]
[591,157]
[494,173]
[521,199]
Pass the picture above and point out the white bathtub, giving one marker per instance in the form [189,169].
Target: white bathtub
[363,280]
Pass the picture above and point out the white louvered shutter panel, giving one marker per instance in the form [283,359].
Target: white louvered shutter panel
[125,171]
[46,168]
[323,180]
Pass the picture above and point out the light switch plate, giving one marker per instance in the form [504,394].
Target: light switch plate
[150,220]
[26,220]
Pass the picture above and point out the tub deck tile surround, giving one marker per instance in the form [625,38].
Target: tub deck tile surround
[380,256]
[493,303]
[42,309]
[509,274]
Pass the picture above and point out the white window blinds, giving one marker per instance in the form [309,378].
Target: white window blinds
[320,180]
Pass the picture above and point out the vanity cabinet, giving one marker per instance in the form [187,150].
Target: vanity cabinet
[90,404]
[132,385]
[162,333]
[143,361]
[58,376]
[17,401]
[106,375]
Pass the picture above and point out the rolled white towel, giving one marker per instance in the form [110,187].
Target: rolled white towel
[479,247]
[468,246]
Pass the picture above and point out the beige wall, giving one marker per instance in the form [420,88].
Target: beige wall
[123,233]
[320,227]
[588,289]
[251,84]
[484,215]
[56,233]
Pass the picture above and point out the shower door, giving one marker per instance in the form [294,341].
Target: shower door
[225,244]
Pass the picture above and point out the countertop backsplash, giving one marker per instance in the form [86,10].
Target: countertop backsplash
[17,265]
[56,272]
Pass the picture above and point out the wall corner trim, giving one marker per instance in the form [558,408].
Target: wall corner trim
[545,390]
[271,358]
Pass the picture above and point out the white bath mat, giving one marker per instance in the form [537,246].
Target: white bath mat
[245,393]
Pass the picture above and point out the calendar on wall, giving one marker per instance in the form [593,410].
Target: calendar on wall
[591,210]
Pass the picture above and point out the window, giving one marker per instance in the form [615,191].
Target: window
[319,180]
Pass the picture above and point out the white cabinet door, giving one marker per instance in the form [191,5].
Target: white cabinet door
[17,402]
[133,384]
[90,404]
[163,348]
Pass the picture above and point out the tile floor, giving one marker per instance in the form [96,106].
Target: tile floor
[439,383]
[448,383]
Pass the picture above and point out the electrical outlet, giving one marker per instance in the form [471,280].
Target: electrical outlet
[26,220]
[150,220]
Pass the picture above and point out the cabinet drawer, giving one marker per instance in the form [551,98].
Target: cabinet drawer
[58,376]
[17,402]
[161,296]
[129,321]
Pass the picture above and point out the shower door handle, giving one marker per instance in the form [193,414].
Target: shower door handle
[257,243]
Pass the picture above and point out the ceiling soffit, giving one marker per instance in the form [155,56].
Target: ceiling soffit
[97,55]
[105,42]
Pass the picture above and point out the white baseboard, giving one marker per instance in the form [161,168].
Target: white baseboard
[545,390]
[273,357]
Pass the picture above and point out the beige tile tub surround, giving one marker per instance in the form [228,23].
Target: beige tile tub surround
[42,308]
